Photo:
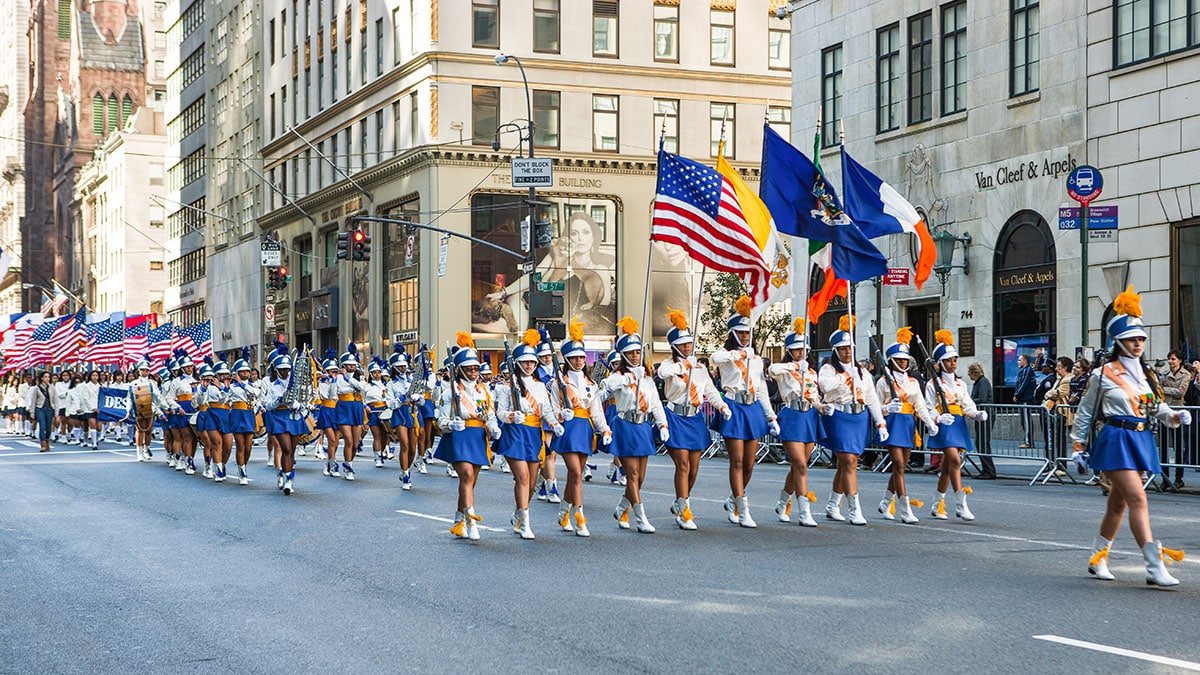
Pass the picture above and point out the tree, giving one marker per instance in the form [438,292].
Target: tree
[724,290]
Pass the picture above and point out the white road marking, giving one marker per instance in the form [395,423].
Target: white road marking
[53,453]
[1153,658]
[1024,540]
[446,520]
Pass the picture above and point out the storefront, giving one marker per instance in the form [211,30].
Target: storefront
[1025,282]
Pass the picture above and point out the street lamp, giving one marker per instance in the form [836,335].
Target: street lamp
[944,243]
[503,59]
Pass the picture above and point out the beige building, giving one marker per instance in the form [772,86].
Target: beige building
[410,104]
[14,90]
[123,228]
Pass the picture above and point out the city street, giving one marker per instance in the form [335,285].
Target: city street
[114,566]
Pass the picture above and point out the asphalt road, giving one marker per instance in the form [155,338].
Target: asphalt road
[109,565]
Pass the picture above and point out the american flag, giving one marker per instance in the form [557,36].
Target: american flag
[39,344]
[160,343]
[16,354]
[697,209]
[65,342]
[106,342]
[197,340]
[52,305]
[137,342]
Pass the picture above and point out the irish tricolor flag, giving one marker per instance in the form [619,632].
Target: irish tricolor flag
[878,209]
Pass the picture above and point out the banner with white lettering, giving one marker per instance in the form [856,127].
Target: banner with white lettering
[114,405]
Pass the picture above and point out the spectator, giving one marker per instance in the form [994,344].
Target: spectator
[1175,384]
[1024,395]
[1079,377]
[981,393]
[1057,388]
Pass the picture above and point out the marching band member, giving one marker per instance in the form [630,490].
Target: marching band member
[218,398]
[243,404]
[547,484]
[61,387]
[179,398]
[465,414]
[903,404]
[799,422]
[497,457]
[158,403]
[686,384]
[1125,394]
[443,384]
[89,403]
[169,419]
[378,413]
[616,474]
[404,420]
[581,422]
[285,421]
[521,412]
[846,429]
[952,437]
[351,413]
[204,421]
[425,409]
[751,418]
[261,386]
[638,411]
[327,411]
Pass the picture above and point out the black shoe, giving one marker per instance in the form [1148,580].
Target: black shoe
[986,476]
[1166,486]
[1178,482]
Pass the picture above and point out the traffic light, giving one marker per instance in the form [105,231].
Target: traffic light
[343,249]
[285,278]
[273,278]
[362,245]
[542,237]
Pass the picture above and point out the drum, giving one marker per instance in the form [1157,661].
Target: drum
[260,427]
[313,432]
[143,404]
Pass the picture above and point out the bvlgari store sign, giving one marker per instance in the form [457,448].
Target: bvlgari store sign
[1025,279]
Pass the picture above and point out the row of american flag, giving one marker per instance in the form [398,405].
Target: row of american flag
[33,340]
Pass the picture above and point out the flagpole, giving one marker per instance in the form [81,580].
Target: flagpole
[662,137]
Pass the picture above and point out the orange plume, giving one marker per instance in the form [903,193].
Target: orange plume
[575,330]
[904,335]
[464,340]
[531,337]
[628,325]
[678,318]
[742,306]
[846,322]
[944,337]
[798,325]
[1128,303]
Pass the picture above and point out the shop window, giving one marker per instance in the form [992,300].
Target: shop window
[1025,285]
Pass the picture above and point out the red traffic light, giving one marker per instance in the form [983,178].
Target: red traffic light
[283,271]
[358,236]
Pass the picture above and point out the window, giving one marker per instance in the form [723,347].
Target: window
[65,7]
[110,121]
[333,81]
[721,119]
[780,119]
[378,47]
[485,114]
[604,28]
[920,68]
[831,94]
[271,40]
[98,115]
[887,78]
[414,117]
[397,47]
[1146,29]
[779,43]
[666,124]
[350,69]
[954,57]
[361,157]
[545,116]
[666,33]
[485,23]
[545,26]
[396,128]
[378,136]
[721,37]
[1025,47]
[156,265]
[605,116]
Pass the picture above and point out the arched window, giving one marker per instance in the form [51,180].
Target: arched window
[126,110]
[111,121]
[1024,286]
[98,115]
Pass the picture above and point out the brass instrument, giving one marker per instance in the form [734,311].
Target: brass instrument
[302,381]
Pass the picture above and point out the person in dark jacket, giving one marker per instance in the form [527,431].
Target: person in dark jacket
[1025,395]
[981,393]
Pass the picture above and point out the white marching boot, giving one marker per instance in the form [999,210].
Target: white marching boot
[939,507]
[806,519]
[886,506]
[564,518]
[622,514]
[833,508]
[743,511]
[581,528]
[472,524]
[783,508]
[904,509]
[1156,565]
[683,514]
[960,508]
[459,529]
[731,509]
[520,522]
[1098,563]
[856,515]
[643,523]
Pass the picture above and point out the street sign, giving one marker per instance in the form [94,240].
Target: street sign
[1102,235]
[537,276]
[410,247]
[896,276]
[532,172]
[552,285]
[526,267]
[269,312]
[272,253]
[1084,184]
[443,252]
[1099,217]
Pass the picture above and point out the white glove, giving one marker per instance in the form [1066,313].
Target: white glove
[945,419]
[1185,417]
[801,366]
[664,434]
[773,427]
[933,430]
[297,406]
[494,432]
[749,350]
[606,438]
[894,406]
[417,397]
[457,424]
[1079,460]
[515,417]
[558,430]
[567,414]
[883,434]
[736,355]
[829,410]
[727,413]
[981,416]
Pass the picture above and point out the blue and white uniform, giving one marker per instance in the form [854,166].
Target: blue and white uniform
[278,417]
[579,432]
[474,408]
[686,385]
[855,405]
[242,405]
[638,411]
[799,419]
[521,427]
[741,372]
[902,406]
[1127,440]
[350,409]
[376,403]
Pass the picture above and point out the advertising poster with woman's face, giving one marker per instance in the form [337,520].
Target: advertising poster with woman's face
[580,262]
[674,282]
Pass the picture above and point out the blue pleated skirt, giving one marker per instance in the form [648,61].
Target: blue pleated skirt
[520,442]
[281,422]
[1116,449]
[846,432]
[578,437]
[632,440]
[748,423]
[204,421]
[799,427]
[219,419]
[688,433]
[241,422]
[902,431]
[952,436]
[326,417]
[468,445]
[403,417]
[350,413]
[428,412]
[373,417]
